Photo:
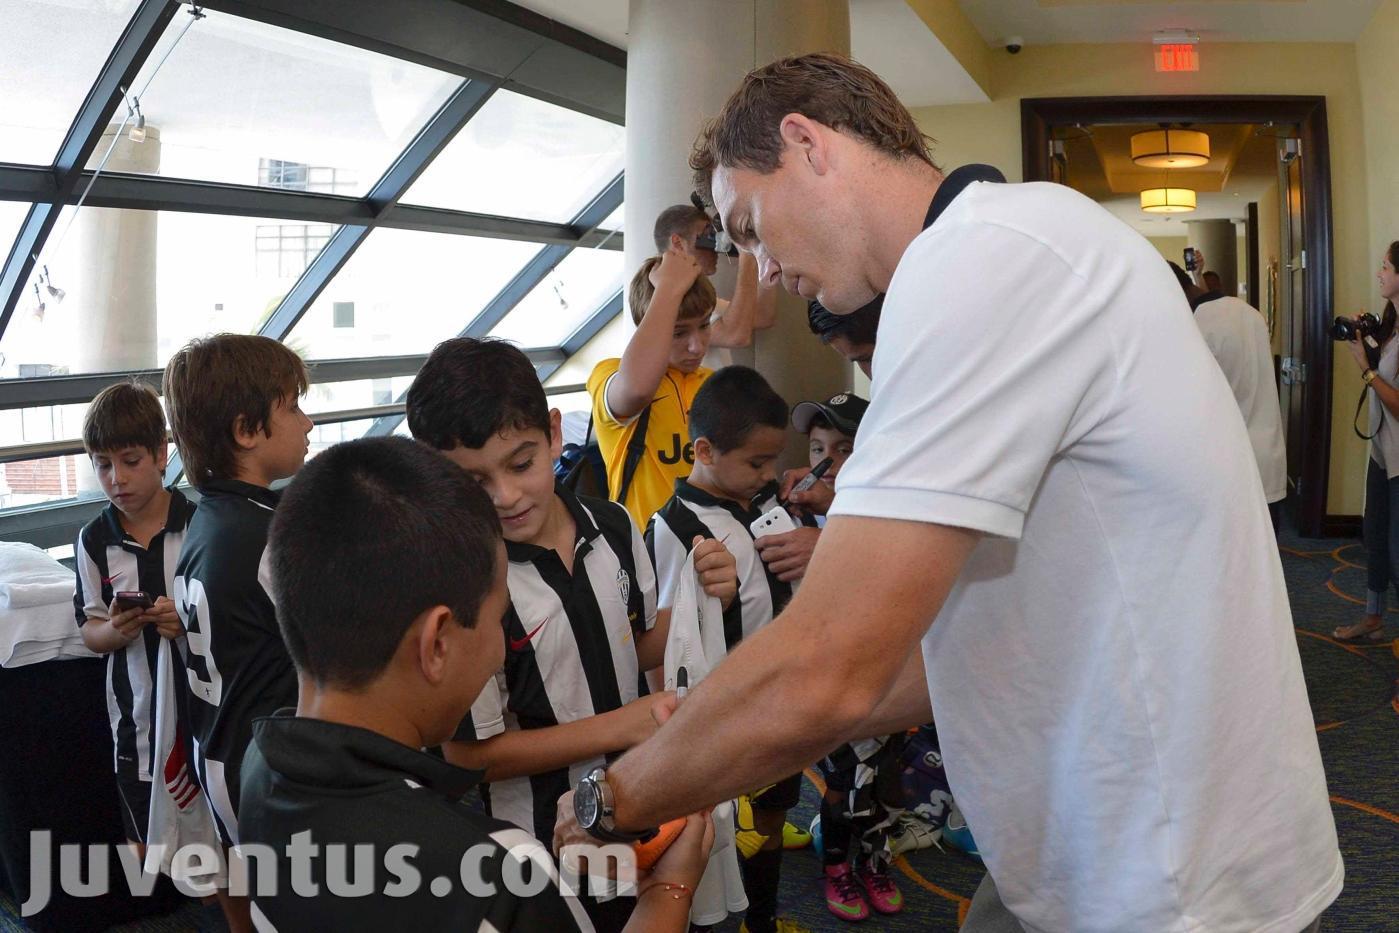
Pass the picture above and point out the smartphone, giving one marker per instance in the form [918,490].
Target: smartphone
[773,522]
[1189,259]
[133,599]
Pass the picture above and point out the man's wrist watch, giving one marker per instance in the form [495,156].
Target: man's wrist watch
[1369,376]
[593,805]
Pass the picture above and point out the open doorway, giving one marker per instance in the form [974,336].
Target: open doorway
[1258,206]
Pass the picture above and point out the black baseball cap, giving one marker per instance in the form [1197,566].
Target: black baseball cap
[843,411]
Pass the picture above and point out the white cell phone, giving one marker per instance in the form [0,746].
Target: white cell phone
[775,521]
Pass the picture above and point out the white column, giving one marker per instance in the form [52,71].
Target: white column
[683,62]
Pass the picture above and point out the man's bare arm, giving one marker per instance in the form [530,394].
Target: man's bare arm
[752,308]
[821,674]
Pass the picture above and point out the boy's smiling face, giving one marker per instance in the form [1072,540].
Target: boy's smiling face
[516,469]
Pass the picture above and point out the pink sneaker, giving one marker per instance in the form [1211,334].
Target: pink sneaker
[843,895]
[880,890]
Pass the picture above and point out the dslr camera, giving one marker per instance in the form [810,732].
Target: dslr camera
[1345,328]
[713,236]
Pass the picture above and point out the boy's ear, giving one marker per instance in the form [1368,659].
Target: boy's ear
[555,433]
[162,456]
[242,436]
[430,633]
[704,451]
[679,242]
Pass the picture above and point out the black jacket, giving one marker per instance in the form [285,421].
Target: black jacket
[350,787]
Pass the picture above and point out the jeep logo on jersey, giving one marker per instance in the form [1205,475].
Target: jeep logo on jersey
[624,585]
[676,452]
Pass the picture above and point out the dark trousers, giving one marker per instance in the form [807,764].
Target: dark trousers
[1381,529]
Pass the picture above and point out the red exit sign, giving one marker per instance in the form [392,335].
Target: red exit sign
[1177,58]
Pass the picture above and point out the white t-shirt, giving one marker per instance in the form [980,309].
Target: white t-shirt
[1237,335]
[1114,675]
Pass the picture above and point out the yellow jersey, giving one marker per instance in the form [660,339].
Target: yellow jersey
[669,454]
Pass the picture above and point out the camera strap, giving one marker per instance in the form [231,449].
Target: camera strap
[1355,422]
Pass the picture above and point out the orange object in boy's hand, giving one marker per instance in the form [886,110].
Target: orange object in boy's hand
[650,851]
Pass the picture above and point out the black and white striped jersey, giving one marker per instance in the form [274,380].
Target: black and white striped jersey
[692,512]
[110,561]
[570,648]
[238,666]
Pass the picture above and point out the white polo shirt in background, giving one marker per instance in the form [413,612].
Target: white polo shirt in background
[1238,337]
[1115,674]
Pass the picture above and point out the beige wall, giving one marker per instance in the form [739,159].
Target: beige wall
[991,133]
[1170,247]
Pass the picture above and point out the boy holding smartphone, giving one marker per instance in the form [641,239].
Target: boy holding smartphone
[125,558]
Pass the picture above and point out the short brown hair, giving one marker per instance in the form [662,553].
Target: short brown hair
[213,381]
[830,89]
[698,302]
[126,414]
[678,218]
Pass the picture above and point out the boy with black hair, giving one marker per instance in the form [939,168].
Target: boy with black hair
[386,670]
[851,335]
[582,623]
[131,546]
[234,410]
[738,426]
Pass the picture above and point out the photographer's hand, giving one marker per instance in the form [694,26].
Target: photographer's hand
[1357,353]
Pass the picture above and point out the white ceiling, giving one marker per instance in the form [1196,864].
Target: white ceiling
[1057,21]
[886,35]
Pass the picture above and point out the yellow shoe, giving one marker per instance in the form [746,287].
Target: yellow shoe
[794,837]
[783,926]
[748,839]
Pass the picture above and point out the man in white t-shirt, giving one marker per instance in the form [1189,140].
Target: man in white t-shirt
[1238,337]
[1046,495]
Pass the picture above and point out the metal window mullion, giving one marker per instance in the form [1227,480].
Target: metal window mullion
[544,262]
[464,103]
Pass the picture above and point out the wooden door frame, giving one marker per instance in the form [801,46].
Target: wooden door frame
[1040,116]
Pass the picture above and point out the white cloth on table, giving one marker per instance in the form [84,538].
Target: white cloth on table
[36,608]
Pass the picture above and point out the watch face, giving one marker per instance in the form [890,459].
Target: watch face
[585,805]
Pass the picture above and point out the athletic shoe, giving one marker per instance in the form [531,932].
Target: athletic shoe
[844,896]
[746,838]
[880,890]
[910,834]
[957,834]
[794,838]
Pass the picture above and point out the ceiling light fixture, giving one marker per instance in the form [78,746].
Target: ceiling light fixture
[1168,200]
[1169,148]
[138,129]
[56,293]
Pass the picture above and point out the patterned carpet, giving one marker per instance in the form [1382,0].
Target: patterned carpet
[1357,719]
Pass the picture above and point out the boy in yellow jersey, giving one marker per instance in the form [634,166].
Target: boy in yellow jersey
[641,402]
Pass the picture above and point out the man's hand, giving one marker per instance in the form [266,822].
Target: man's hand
[816,500]
[787,554]
[676,273]
[165,619]
[717,569]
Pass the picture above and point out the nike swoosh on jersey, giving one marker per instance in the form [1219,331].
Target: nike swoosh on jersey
[518,644]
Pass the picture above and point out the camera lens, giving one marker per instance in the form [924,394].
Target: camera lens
[1343,328]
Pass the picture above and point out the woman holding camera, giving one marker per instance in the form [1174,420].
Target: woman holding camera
[1379,367]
